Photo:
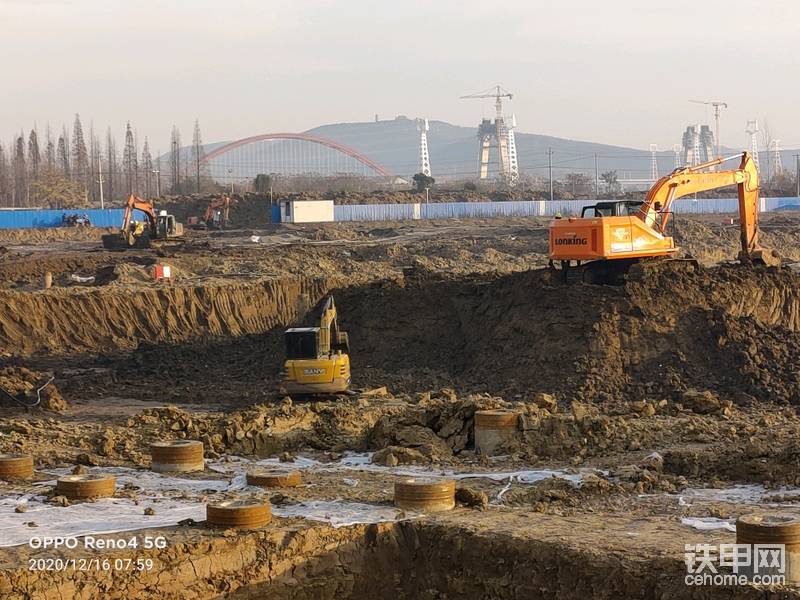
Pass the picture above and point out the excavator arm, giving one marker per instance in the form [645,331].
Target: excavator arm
[655,211]
[330,336]
[223,203]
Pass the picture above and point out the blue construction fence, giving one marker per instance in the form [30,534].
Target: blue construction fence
[13,218]
[533,208]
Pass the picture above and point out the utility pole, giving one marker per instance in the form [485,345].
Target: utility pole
[157,173]
[797,174]
[596,179]
[100,181]
[550,169]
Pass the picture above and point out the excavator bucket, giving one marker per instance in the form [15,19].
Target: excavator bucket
[761,256]
[116,241]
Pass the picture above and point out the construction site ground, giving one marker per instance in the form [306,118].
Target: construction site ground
[652,414]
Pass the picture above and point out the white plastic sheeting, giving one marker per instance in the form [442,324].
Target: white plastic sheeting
[739,494]
[709,523]
[106,515]
[363,462]
[342,514]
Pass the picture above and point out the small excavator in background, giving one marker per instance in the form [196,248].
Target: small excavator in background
[216,215]
[142,234]
[609,237]
[317,358]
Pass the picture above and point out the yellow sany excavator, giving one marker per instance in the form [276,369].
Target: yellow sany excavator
[317,358]
[601,245]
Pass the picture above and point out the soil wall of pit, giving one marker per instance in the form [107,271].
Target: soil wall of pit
[732,330]
[63,321]
[405,561]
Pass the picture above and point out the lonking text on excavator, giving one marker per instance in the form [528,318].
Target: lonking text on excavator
[142,234]
[609,237]
[317,358]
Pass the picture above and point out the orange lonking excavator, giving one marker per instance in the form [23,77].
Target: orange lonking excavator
[601,245]
[215,217]
[141,234]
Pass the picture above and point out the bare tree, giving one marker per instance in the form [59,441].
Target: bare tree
[20,173]
[34,156]
[80,158]
[6,197]
[63,154]
[175,161]
[111,161]
[147,168]
[129,161]
[50,150]
[94,163]
[197,154]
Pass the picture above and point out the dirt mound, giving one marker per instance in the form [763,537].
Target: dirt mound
[732,329]
[50,234]
[23,387]
[714,239]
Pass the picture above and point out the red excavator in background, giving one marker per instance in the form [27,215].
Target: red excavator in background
[609,237]
[142,234]
[216,216]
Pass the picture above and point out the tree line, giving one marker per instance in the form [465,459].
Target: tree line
[71,169]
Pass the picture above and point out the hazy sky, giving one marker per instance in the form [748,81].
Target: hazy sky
[619,71]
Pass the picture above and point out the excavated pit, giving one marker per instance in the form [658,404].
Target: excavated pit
[672,328]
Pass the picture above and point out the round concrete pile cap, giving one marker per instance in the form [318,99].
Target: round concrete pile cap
[501,418]
[244,514]
[16,466]
[769,528]
[86,486]
[425,494]
[177,455]
[274,478]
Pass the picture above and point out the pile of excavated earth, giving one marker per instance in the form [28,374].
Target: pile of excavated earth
[650,415]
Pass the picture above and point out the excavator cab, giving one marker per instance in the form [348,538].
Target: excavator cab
[167,226]
[622,208]
[317,358]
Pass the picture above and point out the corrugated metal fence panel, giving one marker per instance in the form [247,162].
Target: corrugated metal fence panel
[373,212]
[705,206]
[28,219]
[461,210]
[565,207]
[535,208]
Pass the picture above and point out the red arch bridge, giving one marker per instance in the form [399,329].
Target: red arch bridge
[292,154]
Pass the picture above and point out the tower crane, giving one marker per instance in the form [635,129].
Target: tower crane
[502,133]
[717,104]
[498,94]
